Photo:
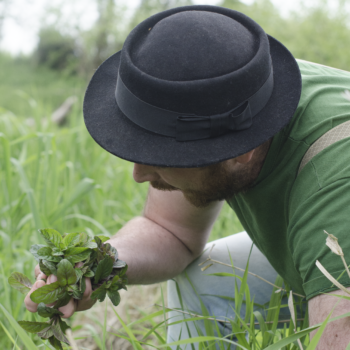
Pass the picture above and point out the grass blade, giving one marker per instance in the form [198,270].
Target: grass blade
[27,341]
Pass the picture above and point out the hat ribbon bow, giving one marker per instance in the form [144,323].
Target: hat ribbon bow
[195,127]
[189,127]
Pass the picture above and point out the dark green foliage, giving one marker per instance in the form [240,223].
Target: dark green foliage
[318,34]
[33,327]
[55,50]
[97,259]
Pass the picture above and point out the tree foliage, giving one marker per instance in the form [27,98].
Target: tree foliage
[55,50]
[319,33]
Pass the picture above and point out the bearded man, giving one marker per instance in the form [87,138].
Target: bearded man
[211,108]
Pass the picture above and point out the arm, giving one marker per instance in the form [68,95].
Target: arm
[336,335]
[170,235]
[157,246]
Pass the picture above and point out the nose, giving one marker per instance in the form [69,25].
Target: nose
[143,173]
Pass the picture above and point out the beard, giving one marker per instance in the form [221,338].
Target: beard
[218,183]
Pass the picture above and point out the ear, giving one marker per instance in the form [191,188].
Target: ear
[245,158]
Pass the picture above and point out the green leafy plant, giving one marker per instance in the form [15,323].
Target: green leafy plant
[71,258]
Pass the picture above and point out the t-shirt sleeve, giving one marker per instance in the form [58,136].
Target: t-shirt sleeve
[320,200]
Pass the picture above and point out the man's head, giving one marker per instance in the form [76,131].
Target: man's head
[204,185]
[192,86]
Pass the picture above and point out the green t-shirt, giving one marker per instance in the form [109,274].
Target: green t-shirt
[285,214]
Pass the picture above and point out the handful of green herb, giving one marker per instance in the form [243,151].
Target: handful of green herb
[98,261]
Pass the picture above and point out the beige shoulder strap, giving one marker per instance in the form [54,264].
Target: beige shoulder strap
[336,134]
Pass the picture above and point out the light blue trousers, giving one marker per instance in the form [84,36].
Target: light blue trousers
[210,287]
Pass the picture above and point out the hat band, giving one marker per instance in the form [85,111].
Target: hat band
[187,127]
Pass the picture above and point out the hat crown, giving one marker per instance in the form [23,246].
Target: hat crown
[149,72]
[194,45]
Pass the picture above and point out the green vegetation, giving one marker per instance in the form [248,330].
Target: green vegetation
[58,177]
[318,34]
[71,258]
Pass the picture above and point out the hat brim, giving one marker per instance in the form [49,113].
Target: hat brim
[114,132]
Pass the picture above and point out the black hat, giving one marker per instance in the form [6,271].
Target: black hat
[192,86]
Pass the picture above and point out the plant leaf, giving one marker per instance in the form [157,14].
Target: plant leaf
[46,333]
[99,293]
[57,332]
[102,238]
[77,254]
[57,252]
[51,266]
[47,294]
[104,269]
[52,237]
[75,292]
[46,311]
[65,273]
[71,239]
[333,245]
[63,300]
[91,245]
[63,326]
[55,343]
[331,278]
[79,272]
[114,296]
[98,241]
[119,264]
[45,253]
[20,282]
[43,268]
[89,274]
[122,272]
[34,250]
[83,239]
[33,327]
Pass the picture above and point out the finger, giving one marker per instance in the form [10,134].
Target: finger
[88,289]
[39,275]
[51,279]
[69,309]
[30,305]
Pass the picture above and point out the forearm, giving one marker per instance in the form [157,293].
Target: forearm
[153,254]
[337,333]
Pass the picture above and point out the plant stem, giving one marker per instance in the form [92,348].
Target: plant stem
[72,342]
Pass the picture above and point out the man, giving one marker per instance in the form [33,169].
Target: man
[210,108]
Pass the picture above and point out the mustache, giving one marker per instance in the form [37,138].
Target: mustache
[163,186]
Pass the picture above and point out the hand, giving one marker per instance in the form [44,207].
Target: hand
[73,305]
